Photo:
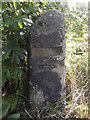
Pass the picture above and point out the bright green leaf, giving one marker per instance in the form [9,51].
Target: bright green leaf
[14,4]
[20,24]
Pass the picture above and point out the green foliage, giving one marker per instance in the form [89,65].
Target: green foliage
[9,104]
[77,61]
[17,19]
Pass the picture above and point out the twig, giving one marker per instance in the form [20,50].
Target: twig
[28,113]
[75,101]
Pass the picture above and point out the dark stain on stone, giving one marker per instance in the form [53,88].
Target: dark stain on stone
[49,82]
[44,63]
[49,40]
[40,23]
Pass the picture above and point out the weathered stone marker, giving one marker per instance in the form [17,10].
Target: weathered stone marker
[47,57]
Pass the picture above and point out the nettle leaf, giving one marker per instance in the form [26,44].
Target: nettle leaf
[12,58]
[5,107]
[5,74]
[8,74]
[15,58]
[16,116]
[13,105]
[7,22]
[5,56]
[18,50]
[3,77]
[5,53]
[13,101]
[15,73]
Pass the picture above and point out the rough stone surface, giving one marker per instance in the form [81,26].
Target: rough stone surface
[47,56]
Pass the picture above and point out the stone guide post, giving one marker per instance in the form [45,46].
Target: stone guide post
[47,36]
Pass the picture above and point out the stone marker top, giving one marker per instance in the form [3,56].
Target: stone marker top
[48,22]
[48,30]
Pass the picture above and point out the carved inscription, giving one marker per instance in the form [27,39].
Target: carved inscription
[44,52]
